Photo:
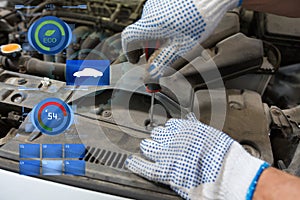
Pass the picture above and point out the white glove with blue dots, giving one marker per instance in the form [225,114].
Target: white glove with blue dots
[182,23]
[197,161]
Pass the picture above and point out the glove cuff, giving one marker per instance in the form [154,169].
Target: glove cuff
[240,173]
[217,5]
[213,11]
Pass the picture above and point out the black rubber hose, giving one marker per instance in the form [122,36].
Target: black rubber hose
[13,18]
[84,18]
[46,69]
[79,35]
[36,67]
[90,43]
[109,49]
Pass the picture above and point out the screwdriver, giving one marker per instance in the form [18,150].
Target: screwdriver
[152,86]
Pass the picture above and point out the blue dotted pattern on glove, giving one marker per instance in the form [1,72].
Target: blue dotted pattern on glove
[185,154]
[178,21]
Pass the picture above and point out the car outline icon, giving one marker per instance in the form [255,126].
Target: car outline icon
[88,72]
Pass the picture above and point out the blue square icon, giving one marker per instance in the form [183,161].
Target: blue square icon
[74,167]
[29,167]
[52,150]
[88,72]
[52,167]
[74,151]
[29,151]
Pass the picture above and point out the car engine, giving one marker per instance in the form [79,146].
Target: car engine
[243,80]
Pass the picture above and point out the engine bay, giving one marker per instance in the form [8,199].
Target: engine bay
[242,80]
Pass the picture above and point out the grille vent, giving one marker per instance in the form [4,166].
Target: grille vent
[104,157]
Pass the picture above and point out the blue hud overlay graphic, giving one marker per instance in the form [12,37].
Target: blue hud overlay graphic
[88,72]
[74,151]
[49,35]
[50,6]
[54,159]
[52,167]
[75,168]
[52,150]
[29,150]
[29,167]
[52,116]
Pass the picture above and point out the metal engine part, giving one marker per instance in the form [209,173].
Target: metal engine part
[246,120]
[108,144]
[245,94]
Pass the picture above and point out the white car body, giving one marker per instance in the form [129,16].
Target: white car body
[88,72]
[36,189]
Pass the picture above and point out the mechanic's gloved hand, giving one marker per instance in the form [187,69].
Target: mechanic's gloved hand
[183,23]
[197,161]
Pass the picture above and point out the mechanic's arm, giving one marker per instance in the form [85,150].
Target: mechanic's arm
[200,162]
[274,184]
[197,161]
[184,24]
[288,8]
[179,25]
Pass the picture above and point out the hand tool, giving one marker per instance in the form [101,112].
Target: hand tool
[151,86]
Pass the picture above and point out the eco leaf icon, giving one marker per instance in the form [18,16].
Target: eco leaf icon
[49,32]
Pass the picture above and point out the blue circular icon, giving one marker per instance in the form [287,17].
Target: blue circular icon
[49,35]
[52,116]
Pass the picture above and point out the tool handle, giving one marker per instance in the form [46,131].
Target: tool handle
[152,86]
[150,48]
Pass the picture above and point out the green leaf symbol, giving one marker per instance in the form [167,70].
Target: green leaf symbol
[49,32]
